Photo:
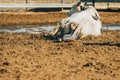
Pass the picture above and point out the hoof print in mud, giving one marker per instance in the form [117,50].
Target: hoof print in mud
[2,71]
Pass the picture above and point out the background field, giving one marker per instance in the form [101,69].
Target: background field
[99,4]
[37,1]
[53,1]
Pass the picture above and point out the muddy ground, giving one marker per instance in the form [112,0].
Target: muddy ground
[33,57]
[43,18]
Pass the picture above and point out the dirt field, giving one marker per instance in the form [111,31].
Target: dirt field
[32,57]
[49,18]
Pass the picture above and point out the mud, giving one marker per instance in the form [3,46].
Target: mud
[43,18]
[32,57]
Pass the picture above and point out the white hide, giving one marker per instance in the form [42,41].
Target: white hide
[87,24]
[74,9]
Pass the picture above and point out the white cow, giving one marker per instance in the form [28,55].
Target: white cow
[86,22]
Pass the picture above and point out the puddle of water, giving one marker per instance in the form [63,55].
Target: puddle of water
[111,27]
[32,29]
[26,29]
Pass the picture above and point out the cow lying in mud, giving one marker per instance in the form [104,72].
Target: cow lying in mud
[85,22]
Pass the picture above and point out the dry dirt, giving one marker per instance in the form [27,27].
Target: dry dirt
[32,57]
[40,18]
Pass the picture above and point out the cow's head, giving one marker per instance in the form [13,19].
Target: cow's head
[77,7]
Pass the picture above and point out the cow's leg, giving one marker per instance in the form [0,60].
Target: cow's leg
[75,33]
[83,35]
[55,30]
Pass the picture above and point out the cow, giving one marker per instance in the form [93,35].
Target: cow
[85,22]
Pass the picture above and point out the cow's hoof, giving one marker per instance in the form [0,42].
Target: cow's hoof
[59,40]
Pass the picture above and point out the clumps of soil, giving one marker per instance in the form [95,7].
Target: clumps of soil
[27,57]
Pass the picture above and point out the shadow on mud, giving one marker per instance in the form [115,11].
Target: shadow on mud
[103,44]
[54,39]
[109,10]
[45,9]
[60,9]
